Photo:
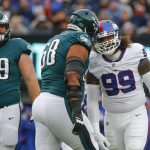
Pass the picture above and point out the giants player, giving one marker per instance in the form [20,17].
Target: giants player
[118,67]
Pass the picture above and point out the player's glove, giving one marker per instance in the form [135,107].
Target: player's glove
[102,141]
[77,117]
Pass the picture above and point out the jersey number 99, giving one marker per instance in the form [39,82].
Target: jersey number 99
[123,82]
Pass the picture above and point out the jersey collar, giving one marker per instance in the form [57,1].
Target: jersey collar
[120,57]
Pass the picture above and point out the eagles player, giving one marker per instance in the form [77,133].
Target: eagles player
[14,64]
[119,67]
[57,110]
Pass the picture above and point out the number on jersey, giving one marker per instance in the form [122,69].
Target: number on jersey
[111,82]
[4,68]
[48,57]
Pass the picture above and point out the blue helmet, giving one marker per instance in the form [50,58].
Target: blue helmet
[107,28]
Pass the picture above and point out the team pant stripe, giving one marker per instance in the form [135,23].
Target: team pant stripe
[86,140]
[84,136]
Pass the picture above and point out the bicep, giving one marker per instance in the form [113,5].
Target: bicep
[144,66]
[75,60]
[26,66]
[78,51]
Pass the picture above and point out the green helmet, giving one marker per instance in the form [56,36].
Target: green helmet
[4,21]
[84,20]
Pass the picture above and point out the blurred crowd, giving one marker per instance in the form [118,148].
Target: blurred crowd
[50,16]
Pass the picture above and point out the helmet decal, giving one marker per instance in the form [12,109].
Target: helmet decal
[100,27]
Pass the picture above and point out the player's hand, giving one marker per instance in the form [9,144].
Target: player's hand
[78,123]
[102,141]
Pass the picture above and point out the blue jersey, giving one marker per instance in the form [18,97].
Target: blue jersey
[54,58]
[10,75]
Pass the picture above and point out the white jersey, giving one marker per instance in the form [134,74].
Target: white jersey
[121,83]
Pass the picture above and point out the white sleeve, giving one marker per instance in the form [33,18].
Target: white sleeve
[93,94]
[146,79]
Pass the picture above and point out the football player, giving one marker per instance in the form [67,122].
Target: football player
[15,63]
[57,110]
[118,68]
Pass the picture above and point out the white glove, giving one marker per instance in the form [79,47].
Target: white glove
[102,141]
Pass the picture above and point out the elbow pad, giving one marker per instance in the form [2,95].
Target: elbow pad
[75,64]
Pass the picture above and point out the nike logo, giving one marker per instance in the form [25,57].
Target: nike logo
[11,118]
[107,123]
[137,115]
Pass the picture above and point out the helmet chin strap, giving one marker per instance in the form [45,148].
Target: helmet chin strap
[114,56]
[85,30]
[2,37]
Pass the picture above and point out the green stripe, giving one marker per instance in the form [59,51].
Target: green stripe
[86,140]
[84,135]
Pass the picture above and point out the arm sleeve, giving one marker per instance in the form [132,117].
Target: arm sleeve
[93,94]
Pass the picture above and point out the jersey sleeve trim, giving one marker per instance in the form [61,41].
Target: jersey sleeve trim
[27,52]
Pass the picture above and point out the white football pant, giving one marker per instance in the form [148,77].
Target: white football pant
[127,131]
[9,126]
[54,125]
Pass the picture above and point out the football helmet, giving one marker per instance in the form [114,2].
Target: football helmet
[4,21]
[84,20]
[107,28]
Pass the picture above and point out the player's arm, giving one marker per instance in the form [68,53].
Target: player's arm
[27,70]
[93,94]
[144,71]
[74,72]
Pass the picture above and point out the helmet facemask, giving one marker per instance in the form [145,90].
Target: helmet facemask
[4,36]
[4,22]
[107,41]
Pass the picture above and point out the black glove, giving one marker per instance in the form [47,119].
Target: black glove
[77,117]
